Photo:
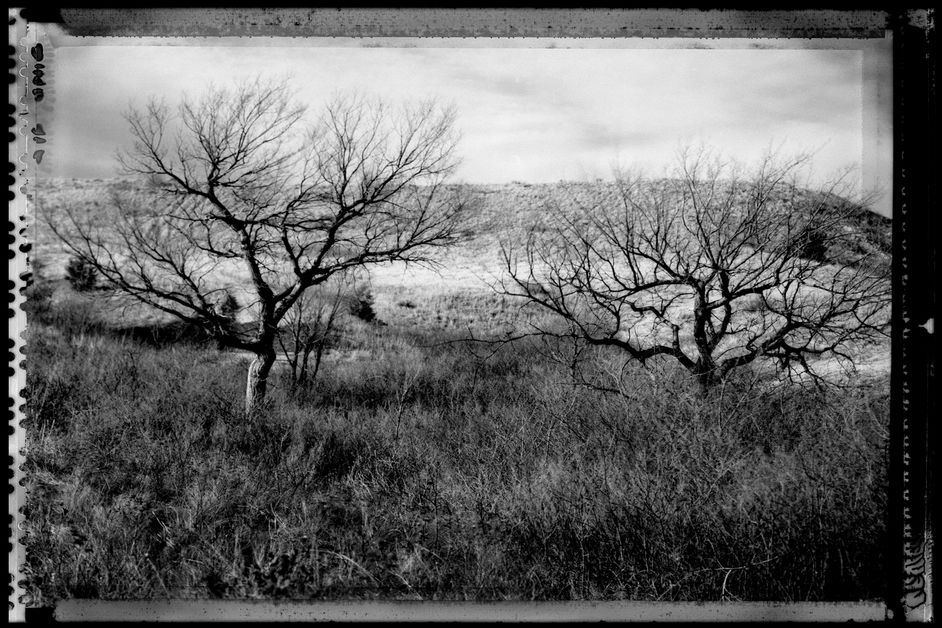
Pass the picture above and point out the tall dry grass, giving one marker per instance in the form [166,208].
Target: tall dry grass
[413,469]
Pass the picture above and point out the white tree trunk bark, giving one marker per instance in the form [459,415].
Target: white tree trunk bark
[256,385]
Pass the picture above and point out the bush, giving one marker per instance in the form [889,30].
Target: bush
[360,304]
[228,306]
[81,274]
[38,303]
[812,244]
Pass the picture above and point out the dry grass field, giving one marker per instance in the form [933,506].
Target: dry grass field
[419,465]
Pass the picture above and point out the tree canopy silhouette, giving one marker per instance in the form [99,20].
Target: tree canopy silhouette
[713,267]
[239,181]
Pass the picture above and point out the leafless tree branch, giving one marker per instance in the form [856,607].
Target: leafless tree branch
[235,179]
[714,267]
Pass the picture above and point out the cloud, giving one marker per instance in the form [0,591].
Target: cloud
[525,113]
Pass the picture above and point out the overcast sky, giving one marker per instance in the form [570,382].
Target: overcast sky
[525,113]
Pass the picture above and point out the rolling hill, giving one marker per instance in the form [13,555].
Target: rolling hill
[502,211]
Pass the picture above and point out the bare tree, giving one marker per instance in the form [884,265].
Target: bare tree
[236,179]
[714,267]
[310,326]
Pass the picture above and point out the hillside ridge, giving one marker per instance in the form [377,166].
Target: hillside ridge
[503,209]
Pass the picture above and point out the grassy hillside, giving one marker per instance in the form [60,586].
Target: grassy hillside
[503,210]
[421,467]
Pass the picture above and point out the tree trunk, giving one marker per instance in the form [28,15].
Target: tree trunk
[305,354]
[707,378]
[257,382]
[317,360]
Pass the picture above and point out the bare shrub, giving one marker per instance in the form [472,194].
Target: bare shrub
[311,326]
